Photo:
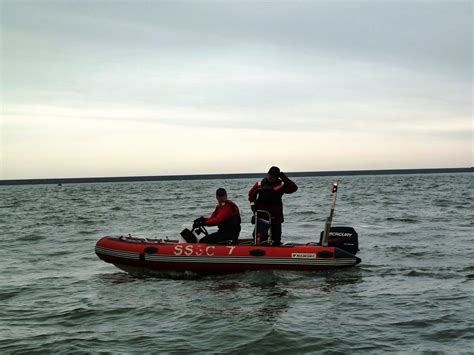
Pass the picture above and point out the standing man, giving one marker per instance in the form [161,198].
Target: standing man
[226,217]
[267,195]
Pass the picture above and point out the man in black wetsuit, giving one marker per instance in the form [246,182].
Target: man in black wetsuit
[267,195]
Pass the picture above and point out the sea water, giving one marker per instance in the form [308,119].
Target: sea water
[413,291]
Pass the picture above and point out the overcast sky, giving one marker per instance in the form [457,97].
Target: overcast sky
[107,88]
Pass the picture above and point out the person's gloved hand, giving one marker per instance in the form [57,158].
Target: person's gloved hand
[198,222]
[282,174]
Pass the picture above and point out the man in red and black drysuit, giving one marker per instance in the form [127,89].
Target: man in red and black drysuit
[226,217]
[267,195]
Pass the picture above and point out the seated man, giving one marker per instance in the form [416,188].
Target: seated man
[226,216]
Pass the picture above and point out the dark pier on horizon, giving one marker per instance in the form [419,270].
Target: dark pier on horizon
[231,176]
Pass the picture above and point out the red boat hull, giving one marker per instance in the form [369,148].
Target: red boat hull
[149,257]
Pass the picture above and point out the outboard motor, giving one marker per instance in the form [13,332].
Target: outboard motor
[345,238]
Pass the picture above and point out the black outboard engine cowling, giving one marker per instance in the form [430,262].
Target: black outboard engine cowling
[345,238]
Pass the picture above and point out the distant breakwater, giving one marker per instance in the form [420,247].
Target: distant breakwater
[230,176]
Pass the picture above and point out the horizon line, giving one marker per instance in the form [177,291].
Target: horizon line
[105,179]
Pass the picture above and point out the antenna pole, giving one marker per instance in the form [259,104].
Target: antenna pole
[327,225]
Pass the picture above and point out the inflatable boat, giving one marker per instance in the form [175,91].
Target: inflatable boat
[336,248]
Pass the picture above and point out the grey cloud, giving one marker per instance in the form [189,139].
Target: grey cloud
[184,53]
[431,35]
